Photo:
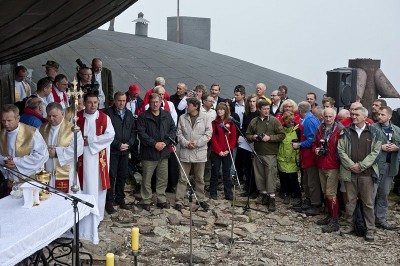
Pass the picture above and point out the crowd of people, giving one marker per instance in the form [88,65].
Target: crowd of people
[334,158]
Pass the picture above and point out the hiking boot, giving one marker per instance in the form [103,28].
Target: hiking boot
[271,205]
[163,205]
[265,199]
[324,221]
[385,226]
[369,236]
[348,229]
[312,211]
[110,208]
[146,207]
[178,207]
[286,199]
[123,205]
[306,204]
[204,205]
[332,226]
[296,202]
[214,197]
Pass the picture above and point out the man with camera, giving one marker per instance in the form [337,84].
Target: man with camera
[266,132]
[324,146]
[388,165]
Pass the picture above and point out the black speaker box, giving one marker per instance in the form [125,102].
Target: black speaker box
[342,86]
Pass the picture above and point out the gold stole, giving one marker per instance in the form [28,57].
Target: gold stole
[64,138]
[23,142]
[18,96]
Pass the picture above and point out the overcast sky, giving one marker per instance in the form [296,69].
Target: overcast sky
[300,38]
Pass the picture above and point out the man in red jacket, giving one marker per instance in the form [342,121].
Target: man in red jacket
[324,146]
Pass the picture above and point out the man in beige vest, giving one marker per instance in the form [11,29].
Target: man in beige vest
[59,137]
[22,148]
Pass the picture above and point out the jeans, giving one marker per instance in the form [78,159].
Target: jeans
[216,162]
[381,192]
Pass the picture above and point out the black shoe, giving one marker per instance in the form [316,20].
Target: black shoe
[178,207]
[332,226]
[214,197]
[385,226]
[229,198]
[324,221]
[271,205]
[369,236]
[204,205]
[306,204]
[286,199]
[163,205]
[123,205]
[312,211]
[110,208]
[296,203]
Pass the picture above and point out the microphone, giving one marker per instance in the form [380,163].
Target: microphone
[222,125]
[234,120]
[173,141]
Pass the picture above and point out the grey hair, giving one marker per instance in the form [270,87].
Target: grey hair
[159,80]
[52,106]
[323,111]
[10,108]
[304,107]
[364,111]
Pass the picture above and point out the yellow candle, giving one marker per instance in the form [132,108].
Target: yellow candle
[110,259]
[135,239]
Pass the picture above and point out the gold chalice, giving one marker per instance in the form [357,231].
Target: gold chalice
[43,177]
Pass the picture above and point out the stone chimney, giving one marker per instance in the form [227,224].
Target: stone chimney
[141,25]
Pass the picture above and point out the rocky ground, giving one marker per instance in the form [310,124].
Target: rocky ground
[284,237]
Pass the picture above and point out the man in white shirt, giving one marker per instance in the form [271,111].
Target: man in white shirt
[22,88]
[58,93]
[44,88]
[276,102]
[22,148]
[104,77]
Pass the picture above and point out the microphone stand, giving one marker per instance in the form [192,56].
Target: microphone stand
[231,241]
[247,207]
[73,199]
[190,200]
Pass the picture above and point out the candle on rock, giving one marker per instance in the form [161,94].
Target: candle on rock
[135,239]
[110,259]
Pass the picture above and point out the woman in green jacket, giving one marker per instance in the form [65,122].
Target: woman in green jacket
[289,159]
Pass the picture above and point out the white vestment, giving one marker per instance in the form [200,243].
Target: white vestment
[65,155]
[91,173]
[28,164]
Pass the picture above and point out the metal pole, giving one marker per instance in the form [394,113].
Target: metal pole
[178,39]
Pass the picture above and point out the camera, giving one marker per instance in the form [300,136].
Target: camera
[260,137]
[323,149]
[92,87]
[191,94]
[80,63]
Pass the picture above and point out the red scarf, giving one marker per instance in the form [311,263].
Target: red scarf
[57,98]
[101,125]
[30,111]
[166,106]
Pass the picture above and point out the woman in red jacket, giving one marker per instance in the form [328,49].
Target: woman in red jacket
[222,126]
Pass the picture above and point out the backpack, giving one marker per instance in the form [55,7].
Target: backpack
[360,227]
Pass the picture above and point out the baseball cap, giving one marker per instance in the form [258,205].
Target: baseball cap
[134,89]
[51,63]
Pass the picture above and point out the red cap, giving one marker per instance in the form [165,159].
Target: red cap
[134,89]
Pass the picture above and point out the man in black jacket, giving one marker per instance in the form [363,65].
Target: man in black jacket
[125,135]
[155,128]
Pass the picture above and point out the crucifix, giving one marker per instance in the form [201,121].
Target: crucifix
[75,94]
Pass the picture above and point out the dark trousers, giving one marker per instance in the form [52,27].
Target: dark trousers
[290,184]
[239,163]
[250,184]
[173,172]
[118,175]
[134,150]
[216,162]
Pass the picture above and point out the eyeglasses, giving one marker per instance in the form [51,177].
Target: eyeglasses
[273,95]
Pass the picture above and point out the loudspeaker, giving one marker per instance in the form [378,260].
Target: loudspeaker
[342,86]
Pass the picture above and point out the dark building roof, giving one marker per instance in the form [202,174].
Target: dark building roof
[136,59]
[31,27]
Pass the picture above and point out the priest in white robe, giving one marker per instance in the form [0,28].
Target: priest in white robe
[98,133]
[22,148]
[60,143]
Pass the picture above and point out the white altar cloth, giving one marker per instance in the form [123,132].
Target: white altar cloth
[25,231]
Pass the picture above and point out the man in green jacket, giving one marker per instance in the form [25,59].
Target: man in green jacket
[358,149]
